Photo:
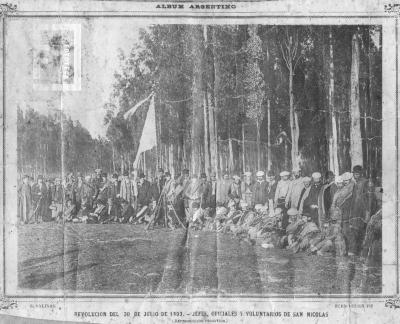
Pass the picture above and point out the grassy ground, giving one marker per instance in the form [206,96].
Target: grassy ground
[119,258]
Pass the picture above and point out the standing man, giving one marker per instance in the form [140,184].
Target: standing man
[295,188]
[213,191]
[260,190]
[247,189]
[40,193]
[126,190]
[205,189]
[272,184]
[327,192]
[79,190]
[145,195]
[304,193]
[282,190]
[58,199]
[311,203]
[160,180]
[223,189]
[281,193]
[25,200]
[193,195]
[235,190]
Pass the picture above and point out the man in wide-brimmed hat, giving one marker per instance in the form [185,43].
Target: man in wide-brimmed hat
[260,189]
[295,188]
[246,188]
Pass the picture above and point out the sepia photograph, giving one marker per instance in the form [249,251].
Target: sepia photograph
[196,159]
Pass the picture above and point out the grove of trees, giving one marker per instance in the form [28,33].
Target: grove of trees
[230,98]
[246,97]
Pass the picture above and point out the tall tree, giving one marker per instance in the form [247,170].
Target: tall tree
[291,54]
[332,136]
[197,133]
[254,84]
[356,152]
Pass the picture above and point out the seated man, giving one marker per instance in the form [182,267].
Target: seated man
[113,209]
[99,214]
[127,211]
[83,213]
[309,231]
[334,239]
[70,211]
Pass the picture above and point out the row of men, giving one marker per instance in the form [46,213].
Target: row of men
[349,199]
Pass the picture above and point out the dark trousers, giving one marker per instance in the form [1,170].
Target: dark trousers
[354,233]
[285,217]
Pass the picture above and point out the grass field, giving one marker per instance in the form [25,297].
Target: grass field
[117,258]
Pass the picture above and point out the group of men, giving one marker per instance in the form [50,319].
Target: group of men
[349,199]
[102,198]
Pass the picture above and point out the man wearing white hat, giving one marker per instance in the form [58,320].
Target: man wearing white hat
[247,188]
[235,191]
[312,205]
[295,188]
[223,189]
[260,189]
[282,190]
[304,193]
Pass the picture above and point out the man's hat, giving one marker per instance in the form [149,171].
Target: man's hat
[316,175]
[260,173]
[347,176]
[247,174]
[236,177]
[296,169]
[306,179]
[277,211]
[271,173]
[258,207]
[97,170]
[243,204]
[357,169]
[292,212]
[338,179]
[284,174]
[329,174]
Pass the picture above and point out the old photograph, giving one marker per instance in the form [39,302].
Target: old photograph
[196,159]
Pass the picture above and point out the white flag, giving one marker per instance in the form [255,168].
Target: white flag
[149,137]
[131,111]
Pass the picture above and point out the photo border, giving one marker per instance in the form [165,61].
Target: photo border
[130,14]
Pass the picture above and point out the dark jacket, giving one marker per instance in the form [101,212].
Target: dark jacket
[260,192]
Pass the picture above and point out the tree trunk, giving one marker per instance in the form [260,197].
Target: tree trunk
[243,150]
[356,152]
[293,118]
[207,167]
[258,145]
[269,162]
[197,95]
[333,141]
